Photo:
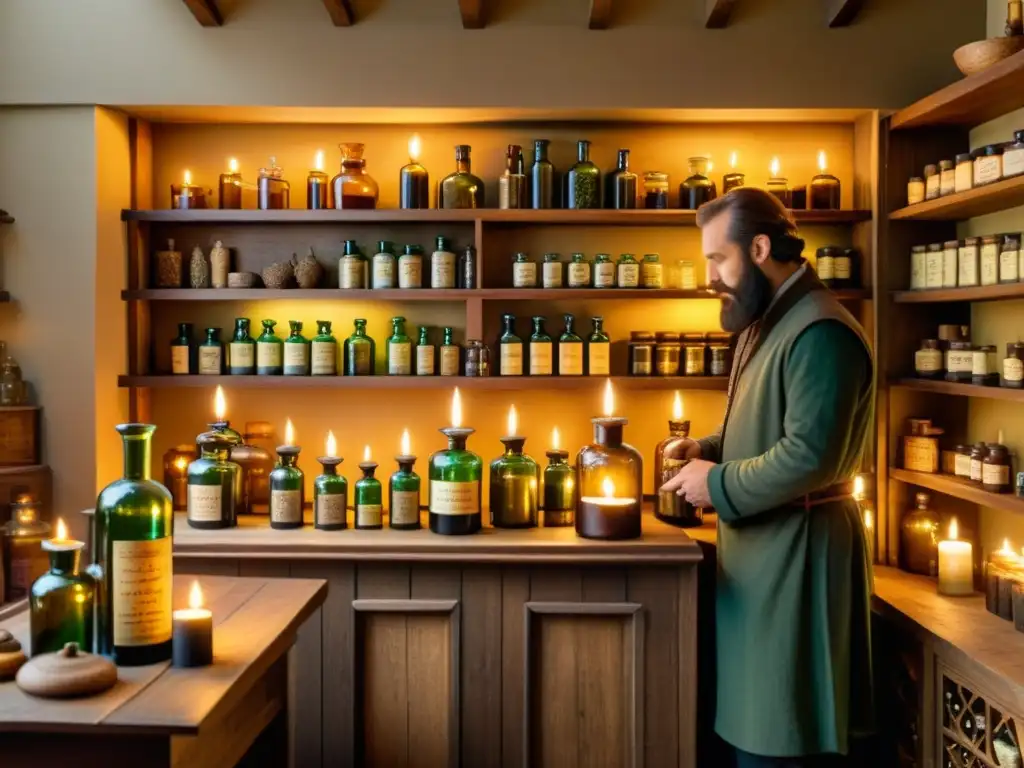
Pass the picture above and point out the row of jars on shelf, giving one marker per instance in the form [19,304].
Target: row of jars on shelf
[981,166]
[973,261]
[953,357]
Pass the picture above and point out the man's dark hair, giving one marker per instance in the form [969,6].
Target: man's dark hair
[756,212]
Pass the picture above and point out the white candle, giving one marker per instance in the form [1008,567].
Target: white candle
[956,565]
[609,500]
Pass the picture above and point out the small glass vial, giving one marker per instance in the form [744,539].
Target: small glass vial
[967,262]
[931,182]
[214,484]
[579,271]
[915,190]
[995,469]
[1013,365]
[694,353]
[183,351]
[628,271]
[959,361]
[988,259]
[273,192]
[524,271]
[570,350]
[604,271]
[917,267]
[983,367]
[667,353]
[825,264]
[947,177]
[651,274]
[369,498]
[399,349]
[410,267]
[62,601]
[450,354]
[1013,156]
[928,360]
[296,351]
[962,462]
[541,345]
[964,175]
[425,354]
[382,275]
[1009,259]
[933,266]
[655,190]
[641,353]
[988,165]
[442,264]
[330,496]
[950,255]
[404,493]
[352,267]
[287,494]
[467,268]
[552,272]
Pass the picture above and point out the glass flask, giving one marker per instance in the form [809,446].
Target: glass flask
[269,351]
[399,349]
[620,185]
[272,191]
[214,484]
[514,481]
[583,181]
[543,186]
[919,538]
[369,498]
[211,354]
[670,507]
[404,495]
[287,489]
[698,188]
[353,187]
[242,350]
[359,352]
[455,477]
[183,351]
[62,601]
[559,489]
[324,353]
[296,351]
[461,189]
[609,476]
[512,188]
[330,496]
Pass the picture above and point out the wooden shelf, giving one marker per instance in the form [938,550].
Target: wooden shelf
[965,390]
[514,383]
[999,196]
[960,489]
[971,101]
[977,293]
[400,294]
[487,215]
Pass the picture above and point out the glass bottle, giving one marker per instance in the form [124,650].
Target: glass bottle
[579,271]
[655,190]
[369,504]
[514,481]
[214,484]
[272,191]
[175,476]
[467,268]
[399,349]
[353,187]
[570,350]
[524,271]
[425,354]
[583,181]
[919,538]
[541,357]
[410,267]
[512,182]
[211,354]
[324,352]
[134,525]
[62,601]
[330,496]
[24,559]
[352,267]
[551,277]
[296,351]
[461,189]
[404,495]
[559,489]
[455,478]
[620,185]
[442,264]
[287,489]
[604,271]
[651,271]
[698,188]
[183,351]
[12,385]
[450,354]
[670,507]
[384,266]
[609,476]
[269,351]
[542,177]
[510,361]
[598,350]
[628,271]
[242,350]
[360,352]
[256,463]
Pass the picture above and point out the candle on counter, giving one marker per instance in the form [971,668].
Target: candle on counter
[825,188]
[287,484]
[62,601]
[220,412]
[404,489]
[414,181]
[956,564]
[316,184]
[188,196]
[230,187]
[330,490]
[1002,570]
[733,178]
[779,185]
[559,486]
[514,482]
[192,632]
[456,477]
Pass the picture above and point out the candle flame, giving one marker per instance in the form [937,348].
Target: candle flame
[318,163]
[195,596]
[775,166]
[406,447]
[858,487]
[513,420]
[366,453]
[220,405]
[677,407]
[331,446]
[188,178]
[868,522]
[1006,549]
[181,463]
[608,488]
[554,438]
[232,165]
[414,147]
[609,398]
[456,409]
[711,166]
[732,161]
[954,530]
[289,433]
[822,161]
[62,530]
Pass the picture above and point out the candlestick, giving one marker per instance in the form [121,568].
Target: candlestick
[559,486]
[330,491]
[734,178]
[188,196]
[779,185]
[230,187]
[956,565]
[414,181]
[316,185]
[825,189]
[404,490]
[192,632]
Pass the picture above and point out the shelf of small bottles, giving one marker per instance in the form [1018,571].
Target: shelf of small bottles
[960,489]
[976,293]
[955,388]
[990,198]
[515,383]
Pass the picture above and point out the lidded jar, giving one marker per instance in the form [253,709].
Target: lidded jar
[353,187]
[609,475]
[919,538]
[272,191]
[698,188]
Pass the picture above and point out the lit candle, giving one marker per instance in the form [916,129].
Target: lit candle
[289,433]
[316,184]
[192,632]
[369,506]
[230,187]
[956,564]
[1001,572]
[559,485]
[414,181]
[188,195]
[330,490]
[608,499]
[514,481]
[220,411]
[824,192]
[779,185]
[404,489]
[176,461]
[734,178]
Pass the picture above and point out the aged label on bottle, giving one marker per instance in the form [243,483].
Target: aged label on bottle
[688,276]
[1013,162]
[1009,266]
[351,272]
[296,355]
[979,366]
[540,358]
[268,354]
[933,269]
[579,275]
[285,506]
[552,274]
[410,271]
[360,355]
[425,360]
[976,470]
[241,355]
[927,360]
[987,169]
[916,270]
[325,358]
[511,359]
[454,498]
[141,581]
[209,360]
[629,275]
[995,474]
[650,275]
[400,358]
[968,260]
[921,454]
[962,465]
[204,503]
[842,268]
[959,361]
[330,509]
[931,186]
[604,275]
[524,275]
[449,360]
[825,267]
[963,176]
[383,272]
[989,264]
[949,268]
[599,359]
[369,515]
[570,359]
[1013,369]
[405,507]
[179,360]
[442,269]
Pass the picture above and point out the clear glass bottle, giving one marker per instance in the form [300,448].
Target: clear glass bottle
[628,271]
[604,271]
[456,476]
[287,489]
[609,478]
[570,350]
[426,354]
[655,190]
[242,350]
[324,352]
[442,264]
[510,346]
[353,187]
[134,525]
[583,181]
[352,268]
[598,349]
[698,188]
[579,271]
[296,351]
[466,277]
[620,185]
[919,538]
[330,496]
[410,267]
[461,189]
[450,355]
[404,495]
[211,354]
[369,498]
[273,193]
[524,271]
[559,489]
[183,351]
[651,272]
[541,345]
[399,349]
[214,484]
[552,273]
[62,601]
[512,187]
[384,263]
[12,386]
[543,186]
[515,478]
[24,559]
[269,351]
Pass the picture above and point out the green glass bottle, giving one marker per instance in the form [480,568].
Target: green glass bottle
[450,355]
[269,351]
[62,601]
[287,489]
[214,484]
[583,181]
[384,262]
[330,496]
[183,351]
[461,189]
[514,481]
[324,353]
[242,350]
[369,498]
[559,489]
[456,476]
[359,352]
[134,525]
[296,351]
[404,491]
[399,349]
[352,269]
[425,354]
[211,354]
[570,350]
[598,350]
[510,359]
[541,346]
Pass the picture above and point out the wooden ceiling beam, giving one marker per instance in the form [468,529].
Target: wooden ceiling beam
[841,13]
[205,11]
[600,14]
[341,12]
[717,12]
[473,14]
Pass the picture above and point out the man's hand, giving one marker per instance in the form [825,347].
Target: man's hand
[684,449]
[691,482]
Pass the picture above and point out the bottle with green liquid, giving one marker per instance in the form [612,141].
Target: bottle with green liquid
[359,352]
[269,351]
[296,351]
[242,350]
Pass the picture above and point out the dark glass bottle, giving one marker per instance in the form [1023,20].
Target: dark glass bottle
[559,489]
[467,268]
[214,484]
[598,350]
[296,351]
[583,181]
[609,480]
[450,362]
[24,559]
[269,351]
[324,353]
[360,352]
[426,354]
[211,354]
[670,507]
[919,538]
[570,350]
[62,601]
[455,476]
[514,481]
[511,348]
[404,495]
[242,351]
[541,346]
[134,525]
[461,189]
[183,351]
[698,188]
[287,489]
[542,177]
[369,498]
[620,185]
[399,349]
[352,267]
[330,496]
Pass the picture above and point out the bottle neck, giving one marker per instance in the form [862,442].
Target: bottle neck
[462,165]
[184,330]
[323,330]
[65,561]
[568,324]
[598,325]
[397,329]
[538,327]
[360,329]
[447,338]
[136,457]
[623,160]
[507,323]
[583,152]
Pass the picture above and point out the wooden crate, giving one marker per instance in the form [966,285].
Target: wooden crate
[19,435]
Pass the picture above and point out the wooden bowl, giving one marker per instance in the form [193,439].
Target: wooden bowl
[978,56]
[242,279]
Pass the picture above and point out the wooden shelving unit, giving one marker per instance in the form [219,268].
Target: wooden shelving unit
[1007,193]
[943,295]
[960,489]
[961,390]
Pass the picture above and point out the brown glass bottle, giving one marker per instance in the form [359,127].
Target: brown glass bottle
[995,469]
[919,538]
[670,507]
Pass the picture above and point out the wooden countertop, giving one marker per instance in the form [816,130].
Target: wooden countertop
[255,623]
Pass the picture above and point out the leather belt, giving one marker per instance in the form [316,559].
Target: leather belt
[837,492]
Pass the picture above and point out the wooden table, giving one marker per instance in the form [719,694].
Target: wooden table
[161,716]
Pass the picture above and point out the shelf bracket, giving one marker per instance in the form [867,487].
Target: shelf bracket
[841,13]
[600,14]
[205,11]
[341,12]
[717,12]
[473,14]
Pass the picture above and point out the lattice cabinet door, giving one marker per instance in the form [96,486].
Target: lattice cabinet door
[975,730]
[900,671]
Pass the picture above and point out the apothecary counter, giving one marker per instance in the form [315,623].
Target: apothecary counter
[504,648]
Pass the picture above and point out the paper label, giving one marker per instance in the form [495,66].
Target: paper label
[209,360]
[826,267]
[570,359]
[405,507]
[689,276]
[968,260]
[268,354]
[540,358]
[604,275]
[410,271]
[650,274]
[962,465]
[629,275]
[141,581]
[450,360]
[599,359]
[917,261]
[1009,266]
[296,355]
[179,360]
[425,360]
[976,470]
[552,274]
[511,359]
[989,264]
[442,270]
[949,268]
[927,360]
[285,506]
[988,169]
[963,175]
[960,361]
[383,272]
[947,182]
[979,366]
[399,358]
[204,503]
[453,498]
[1013,369]
[579,275]
[241,355]
[325,358]
[369,515]
[360,356]
[995,474]
[524,275]
[933,269]
[842,268]
[931,186]
[350,272]
[330,509]
[1013,162]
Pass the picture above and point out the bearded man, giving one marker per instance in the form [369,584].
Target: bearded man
[794,580]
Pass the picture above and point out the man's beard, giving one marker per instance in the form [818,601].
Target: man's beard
[747,302]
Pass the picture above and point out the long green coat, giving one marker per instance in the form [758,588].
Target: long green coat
[793,590]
